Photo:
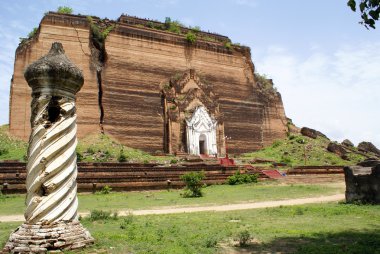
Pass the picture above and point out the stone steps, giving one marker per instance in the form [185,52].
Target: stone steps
[125,176]
[316,170]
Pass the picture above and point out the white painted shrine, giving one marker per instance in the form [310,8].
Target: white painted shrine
[201,133]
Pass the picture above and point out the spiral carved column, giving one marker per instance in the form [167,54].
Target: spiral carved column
[52,203]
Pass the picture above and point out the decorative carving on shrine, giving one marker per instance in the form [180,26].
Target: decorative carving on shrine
[183,95]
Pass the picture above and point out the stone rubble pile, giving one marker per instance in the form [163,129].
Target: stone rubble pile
[39,238]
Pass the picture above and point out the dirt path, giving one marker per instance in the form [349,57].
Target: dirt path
[219,208]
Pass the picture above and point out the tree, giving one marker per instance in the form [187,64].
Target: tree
[191,37]
[369,9]
[64,10]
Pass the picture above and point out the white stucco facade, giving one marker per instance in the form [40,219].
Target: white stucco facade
[201,133]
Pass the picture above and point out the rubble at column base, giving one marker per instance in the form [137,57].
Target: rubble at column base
[41,238]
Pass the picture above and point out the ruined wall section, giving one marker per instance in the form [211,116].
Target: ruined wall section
[73,32]
[139,59]
[275,121]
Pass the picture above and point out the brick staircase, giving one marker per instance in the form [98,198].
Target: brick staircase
[302,170]
[124,176]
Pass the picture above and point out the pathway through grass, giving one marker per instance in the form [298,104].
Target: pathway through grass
[214,195]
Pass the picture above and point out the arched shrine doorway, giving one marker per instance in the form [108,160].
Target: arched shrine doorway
[191,108]
[201,133]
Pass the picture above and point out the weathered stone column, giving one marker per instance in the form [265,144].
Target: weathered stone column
[52,203]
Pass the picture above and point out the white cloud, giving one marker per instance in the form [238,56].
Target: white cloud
[338,94]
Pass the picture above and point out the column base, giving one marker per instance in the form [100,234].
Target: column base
[41,238]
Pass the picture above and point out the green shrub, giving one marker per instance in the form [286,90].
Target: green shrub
[102,215]
[159,26]
[172,26]
[276,143]
[211,242]
[122,157]
[244,237]
[265,82]
[228,45]
[64,10]
[173,161]
[107,31]
[191,37]
[150,24]
[239,178]
[175,27]
[105,190]
[79,157]
[127,221]
[99,34]
[193,182]
[3,151]
[33,32]
[90,150]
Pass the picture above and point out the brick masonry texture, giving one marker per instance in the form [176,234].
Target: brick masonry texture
[125,100]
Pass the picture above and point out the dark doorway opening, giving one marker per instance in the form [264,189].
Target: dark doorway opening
[202,147]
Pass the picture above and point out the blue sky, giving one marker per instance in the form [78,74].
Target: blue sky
[323,62]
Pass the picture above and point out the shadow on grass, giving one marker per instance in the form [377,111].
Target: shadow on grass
[347,242]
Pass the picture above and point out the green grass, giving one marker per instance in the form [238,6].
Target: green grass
[213,195]
[292,151]
[92,148]
[11,148]
[318,228]
[102,148]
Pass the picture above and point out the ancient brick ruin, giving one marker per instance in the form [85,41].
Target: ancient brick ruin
[363,182]
[143,85]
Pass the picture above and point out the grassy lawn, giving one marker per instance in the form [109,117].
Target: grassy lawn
[318,228]
[214,195]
